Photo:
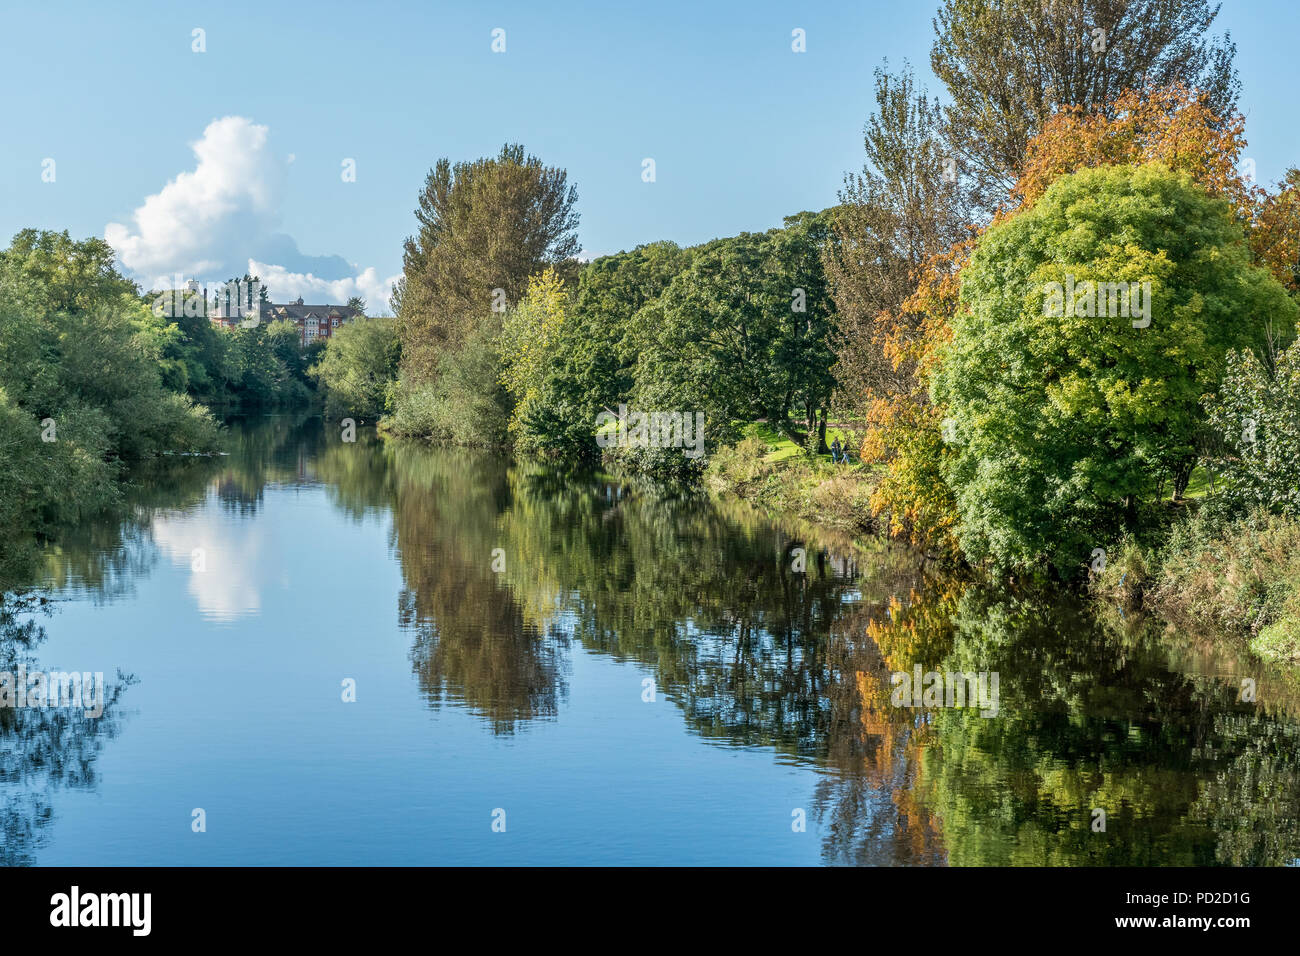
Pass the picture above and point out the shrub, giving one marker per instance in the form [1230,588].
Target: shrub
[1257,416]
[465,404]
[740,465]
[1240,575]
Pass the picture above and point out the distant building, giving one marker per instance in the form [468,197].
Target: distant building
[313,321]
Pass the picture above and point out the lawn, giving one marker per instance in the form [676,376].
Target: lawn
[780,446]
[1200,484]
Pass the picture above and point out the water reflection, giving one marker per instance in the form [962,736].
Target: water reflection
[770,638]
[42,749]
[1092,718]
[474,643]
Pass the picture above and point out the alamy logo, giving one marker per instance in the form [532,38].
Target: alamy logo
[55,689]
[1089,298]
[73,909]
[231,300]
[651,430]
[950,689]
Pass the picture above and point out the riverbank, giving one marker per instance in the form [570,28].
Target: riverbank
[1233,576]
[789,483]
[1231,579]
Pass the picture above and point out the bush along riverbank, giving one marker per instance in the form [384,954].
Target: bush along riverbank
[1232,560]
[1239,576]
[1210,574]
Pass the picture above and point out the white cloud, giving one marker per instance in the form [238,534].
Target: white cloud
[213,222]
[228,586]
[196,222]
[283,285]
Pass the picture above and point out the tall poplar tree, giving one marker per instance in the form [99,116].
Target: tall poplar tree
[1010,64]
[484,226]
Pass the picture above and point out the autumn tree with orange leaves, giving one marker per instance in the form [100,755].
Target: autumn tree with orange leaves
[1175,127]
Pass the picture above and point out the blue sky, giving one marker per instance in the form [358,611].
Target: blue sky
[742,130]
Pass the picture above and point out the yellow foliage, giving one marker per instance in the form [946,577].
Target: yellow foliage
[1173,126]
[528,340]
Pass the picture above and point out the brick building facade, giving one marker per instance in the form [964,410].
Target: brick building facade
[313,321]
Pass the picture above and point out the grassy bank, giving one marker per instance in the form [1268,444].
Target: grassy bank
[1212,576]
[770,471]
[1240,576]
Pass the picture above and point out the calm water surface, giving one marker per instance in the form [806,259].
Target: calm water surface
[506,628]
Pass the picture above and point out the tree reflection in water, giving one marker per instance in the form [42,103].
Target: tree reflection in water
[42,749]
[757,654]
[709,599]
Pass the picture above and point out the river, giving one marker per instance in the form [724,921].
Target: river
[322,652]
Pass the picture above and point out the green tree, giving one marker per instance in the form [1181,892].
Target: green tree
[608,329]
[285,342]
[483,226]
[256,376]
[591,360]
[802,351]
[1256,416]
[82,360]
[194,361]
[1065,418]
[59,273]
[528,341]
[741,333]
[66,349]
[1010,64]
[710,337]
[358,366]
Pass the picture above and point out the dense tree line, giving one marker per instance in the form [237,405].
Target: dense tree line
[81,387]
[997,431]
[913,309]
[93,378]
[254,365]
[732,330]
